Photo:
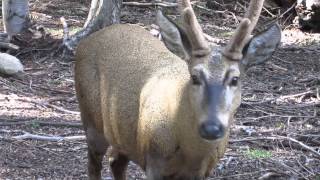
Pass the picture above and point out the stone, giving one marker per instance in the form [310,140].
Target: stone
[9,65]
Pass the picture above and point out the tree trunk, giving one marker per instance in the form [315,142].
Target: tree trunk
[15,14]
[102,13]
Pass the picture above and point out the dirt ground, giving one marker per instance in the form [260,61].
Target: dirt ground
[276,134]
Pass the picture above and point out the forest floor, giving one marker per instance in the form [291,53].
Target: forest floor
[276,129]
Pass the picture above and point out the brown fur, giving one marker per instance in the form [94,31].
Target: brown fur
[133,94]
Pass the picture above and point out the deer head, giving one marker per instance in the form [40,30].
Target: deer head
[215,88]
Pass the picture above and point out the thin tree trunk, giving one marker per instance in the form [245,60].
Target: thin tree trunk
[93,9]
[15,14]
[102,13]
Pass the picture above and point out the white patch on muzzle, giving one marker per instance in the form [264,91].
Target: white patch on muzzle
[229,95]
[224,119]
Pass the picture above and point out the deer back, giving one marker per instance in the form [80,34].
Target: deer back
[119,70]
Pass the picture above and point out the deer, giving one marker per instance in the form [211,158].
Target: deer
[166,106]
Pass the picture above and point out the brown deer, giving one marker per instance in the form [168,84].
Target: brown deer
[166,108]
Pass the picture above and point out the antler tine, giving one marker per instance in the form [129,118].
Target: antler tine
[241,36]
[193,29]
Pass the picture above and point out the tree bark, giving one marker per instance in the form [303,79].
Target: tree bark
[102,13]
[15,14]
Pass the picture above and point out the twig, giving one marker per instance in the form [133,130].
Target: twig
[273,138]
[9,131]
[243,7]
[42,123]
[71,99]
[281,163]
[279,98]
[280,59]
[277,67]
[210,38]
[65,30]
[272,15]
[45,88]
[237,175]
[27,135]
[294,95]
[307,104]
[288,10]
[162,4]
[277,115]
[49,105]
[288,18]
[210,12]
[269,175]
[304,167]
[62,109]
[301,144]
[256,102]
[214,2]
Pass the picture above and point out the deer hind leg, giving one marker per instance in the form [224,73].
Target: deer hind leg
[118,163]
[97,147]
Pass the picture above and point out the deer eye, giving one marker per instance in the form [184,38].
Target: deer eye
[234,81]
[195,80]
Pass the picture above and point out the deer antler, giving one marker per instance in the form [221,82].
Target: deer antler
[193,29]
[234,49]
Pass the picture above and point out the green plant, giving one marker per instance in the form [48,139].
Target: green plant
[258,153]
[35,125]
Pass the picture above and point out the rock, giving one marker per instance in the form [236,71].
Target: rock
[9,65]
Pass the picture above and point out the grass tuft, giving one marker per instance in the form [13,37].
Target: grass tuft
[258,154]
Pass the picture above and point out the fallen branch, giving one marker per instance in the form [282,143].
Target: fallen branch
[4,37]
[257,102]
[48,138]
[281,98]
[274,66]
[211,39]
[30,136]
[61,109]
[162,4]
[9,131]
[269,175]
[277,115]
[9,46]
[294,95]
[237,176]
[42,123]
[273,138]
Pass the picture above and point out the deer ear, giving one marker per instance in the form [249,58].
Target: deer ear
[261,47]
[173,36]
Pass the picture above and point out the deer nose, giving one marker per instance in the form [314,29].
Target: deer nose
[211,130]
